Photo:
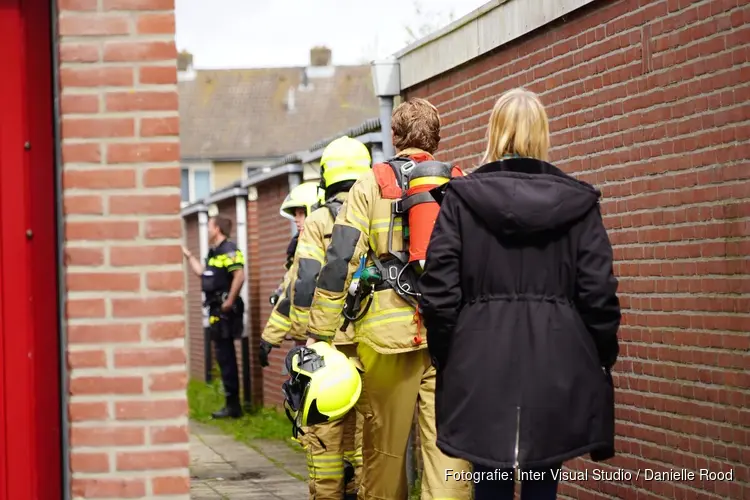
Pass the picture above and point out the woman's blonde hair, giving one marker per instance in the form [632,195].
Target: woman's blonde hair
[518,126]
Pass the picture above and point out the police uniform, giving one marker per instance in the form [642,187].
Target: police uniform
[224,328]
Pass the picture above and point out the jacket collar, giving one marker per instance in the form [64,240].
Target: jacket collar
[340,196]
[528,166]
[415,154]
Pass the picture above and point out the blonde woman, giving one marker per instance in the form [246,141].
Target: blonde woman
[520,304]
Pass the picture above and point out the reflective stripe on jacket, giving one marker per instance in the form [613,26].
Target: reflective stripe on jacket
[390,325]
[279,324]
[308,261]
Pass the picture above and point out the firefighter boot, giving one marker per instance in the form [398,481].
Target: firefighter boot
[232,409]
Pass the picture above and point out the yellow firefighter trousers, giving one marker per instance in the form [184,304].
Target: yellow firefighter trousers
[393,385]
[328,446]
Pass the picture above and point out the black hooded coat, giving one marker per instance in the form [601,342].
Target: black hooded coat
[519,301]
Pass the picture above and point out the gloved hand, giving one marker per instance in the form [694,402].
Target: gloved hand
[275,296]
[265,350]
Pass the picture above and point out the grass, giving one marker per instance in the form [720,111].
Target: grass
[416,489]
[259,423]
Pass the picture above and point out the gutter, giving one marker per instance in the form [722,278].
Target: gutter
[225,194]
[60,237]
[272,174]
[228,158]
[193,209]
[317,152]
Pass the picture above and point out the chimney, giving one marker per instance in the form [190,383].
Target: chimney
[184,61]
[320,56]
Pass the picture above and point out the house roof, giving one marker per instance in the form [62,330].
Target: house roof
[243,114]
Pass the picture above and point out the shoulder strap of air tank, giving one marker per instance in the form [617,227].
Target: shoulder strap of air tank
[334,206]
[388,177]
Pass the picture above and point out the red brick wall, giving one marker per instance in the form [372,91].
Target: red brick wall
[194,303]
[125,307]
[649,101]
[275,233]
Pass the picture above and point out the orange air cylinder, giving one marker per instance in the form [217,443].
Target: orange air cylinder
[423,177]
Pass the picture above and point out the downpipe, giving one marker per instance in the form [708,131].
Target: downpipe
[386,108]
[242,243]
[203,248]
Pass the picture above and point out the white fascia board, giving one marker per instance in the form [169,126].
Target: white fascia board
[494,24]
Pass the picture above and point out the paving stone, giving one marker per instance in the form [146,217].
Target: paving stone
[222,468]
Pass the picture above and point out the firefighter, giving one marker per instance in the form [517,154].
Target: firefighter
[222,277]
[334,449]
[398,373]
[298,204]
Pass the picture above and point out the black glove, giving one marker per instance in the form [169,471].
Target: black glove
[265,350]
[275,296]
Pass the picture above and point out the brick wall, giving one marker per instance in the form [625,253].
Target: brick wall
[124,268]
[194,316]
[649,101]
[275,233]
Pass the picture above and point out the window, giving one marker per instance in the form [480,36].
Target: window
[185,186]
[201,183]
[195,183]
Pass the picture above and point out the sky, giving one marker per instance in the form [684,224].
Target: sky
[271,33]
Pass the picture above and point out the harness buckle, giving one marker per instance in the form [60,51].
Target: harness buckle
[397,207]
[392,272]
[407,167]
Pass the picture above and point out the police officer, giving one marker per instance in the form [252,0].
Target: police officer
[222,278]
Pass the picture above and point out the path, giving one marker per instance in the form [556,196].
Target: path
[222,468]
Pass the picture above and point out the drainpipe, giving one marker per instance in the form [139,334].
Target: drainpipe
[203,245]
[241,207]
[376,151]
[386,109]
[294,181]
[60,236]
[386,77]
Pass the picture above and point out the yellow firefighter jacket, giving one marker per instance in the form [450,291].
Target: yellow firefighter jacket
[279,323]
[308,261]
[390,325]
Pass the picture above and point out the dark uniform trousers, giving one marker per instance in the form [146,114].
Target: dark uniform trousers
[224,328]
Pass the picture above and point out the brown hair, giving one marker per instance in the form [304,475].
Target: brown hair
[416,124]
[223,223]
[518,126]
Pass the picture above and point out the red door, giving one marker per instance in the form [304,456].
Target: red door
[29,367]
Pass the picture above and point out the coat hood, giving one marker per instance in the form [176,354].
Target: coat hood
[524,196]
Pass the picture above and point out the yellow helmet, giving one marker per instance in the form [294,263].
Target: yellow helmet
[323,385]
[303,196]
[344,159]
